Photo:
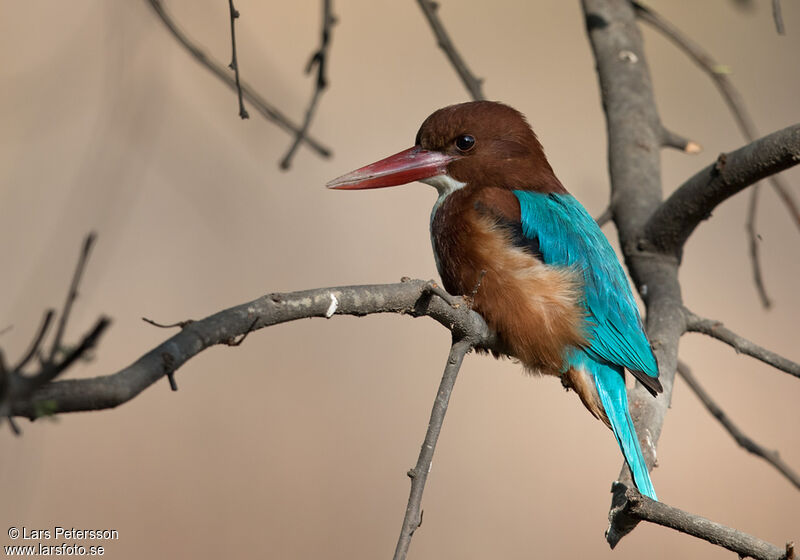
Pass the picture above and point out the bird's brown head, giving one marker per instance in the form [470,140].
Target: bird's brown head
[481,143]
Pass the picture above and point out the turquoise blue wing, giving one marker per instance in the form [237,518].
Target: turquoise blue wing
[568,236]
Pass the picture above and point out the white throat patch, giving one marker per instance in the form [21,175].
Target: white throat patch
[446,186]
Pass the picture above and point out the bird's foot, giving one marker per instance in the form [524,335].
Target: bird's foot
[432,288]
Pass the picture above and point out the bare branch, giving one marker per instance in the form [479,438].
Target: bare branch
[715,329]
[716,71]
[234,65]
[262,105]
[36,343]
[628,503]
[772,457]
[755,243]
[778,17]
[25,386]
[318,60]
[410,297]
[605,217]
[674,221]
[17,387]
[719,75]
[419,474]
[72,294]
[180,324]
[473,84]
[672,139]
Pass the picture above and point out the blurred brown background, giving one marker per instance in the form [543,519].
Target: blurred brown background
[296,444]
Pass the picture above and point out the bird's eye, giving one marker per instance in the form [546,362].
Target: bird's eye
[465,142]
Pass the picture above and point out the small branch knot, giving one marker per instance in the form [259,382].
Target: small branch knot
[719,165]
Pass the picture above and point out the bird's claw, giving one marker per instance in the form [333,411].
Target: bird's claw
[433,288]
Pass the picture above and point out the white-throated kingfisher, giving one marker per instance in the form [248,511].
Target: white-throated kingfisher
[506,232]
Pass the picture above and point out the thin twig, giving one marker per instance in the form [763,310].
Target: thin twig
[72,294]
[234,65]
[256,100]
[628,503]
[778,17]
[53,369]
[715,329]
[473,84]
[770,456]
[672,139]
[419,474]
[238,342]
[181,324]
[605,216]
[13,425]
[33,349]
[755,246]
[318,60]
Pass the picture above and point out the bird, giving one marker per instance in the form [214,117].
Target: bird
[532,261]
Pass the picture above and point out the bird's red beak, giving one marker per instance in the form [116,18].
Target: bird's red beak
[413,164]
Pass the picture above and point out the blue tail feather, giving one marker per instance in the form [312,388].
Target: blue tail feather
[610,385]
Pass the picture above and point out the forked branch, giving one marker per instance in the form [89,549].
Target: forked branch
[319,60]
[629,503]
[674,221]
[267,110]
[17,385]
[411,297]
[719,75]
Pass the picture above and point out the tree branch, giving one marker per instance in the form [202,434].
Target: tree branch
[770,456]
[36,343]
[719,75]
[318,59]
[754,241]
[72,295]
[411,297]
[262,105]
[715,329]
[778,17]
[605,217]
[629,503]
[634,141]
[234,65]
[670,139]
[15,385]
[419,474]
[474,85]
[674,221]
